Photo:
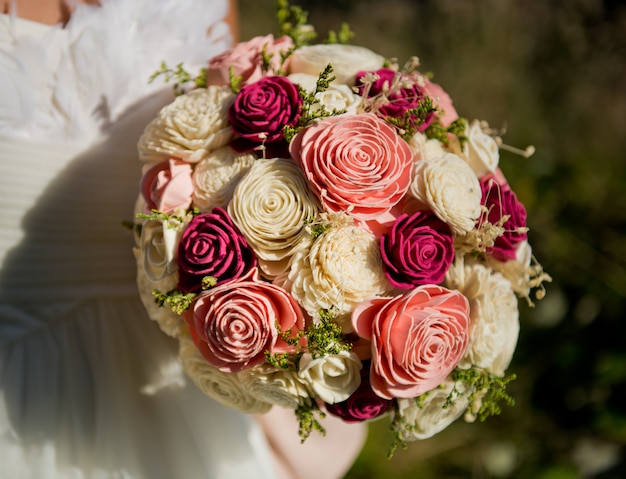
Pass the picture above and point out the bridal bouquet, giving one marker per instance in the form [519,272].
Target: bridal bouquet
[321,231]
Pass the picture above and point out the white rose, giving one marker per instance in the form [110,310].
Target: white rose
[450,188]
[216,176]
[169,322]
[281,387]
[332,378]
[426,148]
[226,388]
[193,125]
[346,60]
[431,418]
[494,315]
[517,271]
[336,97]
[342,268]
[480,150]
[157,245]
[270,206]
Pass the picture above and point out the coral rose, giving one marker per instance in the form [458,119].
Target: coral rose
[234,324]
[418,338]
[167,186]
[355,163]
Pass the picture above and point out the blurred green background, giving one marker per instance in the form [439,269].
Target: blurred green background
[553,73]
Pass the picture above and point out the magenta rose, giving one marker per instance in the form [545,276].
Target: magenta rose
[417,339]
[247,60]
[501,201]
[260,112]
[355,163]
[234,324]
[362,405]
[402,102]
[418,249]
[167,186]
[212,245]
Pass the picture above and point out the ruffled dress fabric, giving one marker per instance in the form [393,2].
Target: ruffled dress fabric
[89,386]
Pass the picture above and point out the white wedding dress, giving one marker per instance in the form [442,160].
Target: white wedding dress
[89,386]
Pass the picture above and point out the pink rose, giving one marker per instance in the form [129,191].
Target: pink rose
[355,163]
[261,111]
[234,324]
[501,201]
[418,338]
[402,102]
[246,60]
[418,249]
[212,245]
[167,186]
[442,101]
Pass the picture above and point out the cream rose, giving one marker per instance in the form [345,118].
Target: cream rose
[337,97]
[216,176]
[342,268]
[425,148]
[430,417]
[190,127]
[270,206]
[226,388]
[480,150]
[280,387]
[494,315]
[517,270]
[169,322]
[332,378]
[346,60]
[450,188]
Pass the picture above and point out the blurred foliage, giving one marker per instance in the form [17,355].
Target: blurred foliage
[553,73]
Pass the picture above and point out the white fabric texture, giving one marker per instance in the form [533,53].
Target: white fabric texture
[89,386]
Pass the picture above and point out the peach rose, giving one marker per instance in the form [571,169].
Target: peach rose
[167,186]
[234,324]
[355,163]
[246,60]
[418,338]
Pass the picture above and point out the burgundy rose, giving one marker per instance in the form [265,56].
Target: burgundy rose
[211,245]
[418,249]
[402,101]
[260,112]
[501,201]
[362,405]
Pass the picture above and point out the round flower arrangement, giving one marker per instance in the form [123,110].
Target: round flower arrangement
[321,231]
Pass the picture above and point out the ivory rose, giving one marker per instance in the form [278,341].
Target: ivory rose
[494,315]
[280,387]
[215,177]
[246,60]
[211,245]
[431,417]
[418,249]
[270,205]
[333,377]
[190,127]
[517,271]
[337,97]
[234,324]
[450,188]
[480,150]
[167,186]
[418,338]
[346,60]
[501,202]
[226,388]
[340,269]
[355,163]
[260,112]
